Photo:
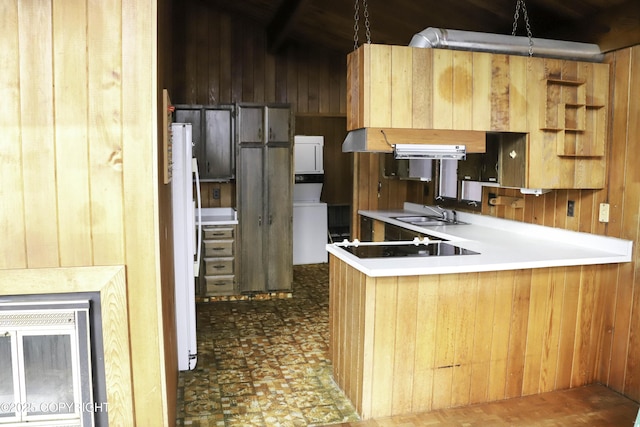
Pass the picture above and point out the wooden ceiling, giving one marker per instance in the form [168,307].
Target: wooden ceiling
[612,24]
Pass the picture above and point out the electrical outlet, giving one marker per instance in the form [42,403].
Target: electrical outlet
[570,207]
[604,212]
[216,193]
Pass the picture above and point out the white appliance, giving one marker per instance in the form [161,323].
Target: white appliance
[310,224]
[187,241]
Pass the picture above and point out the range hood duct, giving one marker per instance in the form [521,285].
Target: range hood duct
[505,44]
[429,151]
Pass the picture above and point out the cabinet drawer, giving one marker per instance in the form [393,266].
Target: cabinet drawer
[218,232]
[218,285]
[218,248]
[218,266]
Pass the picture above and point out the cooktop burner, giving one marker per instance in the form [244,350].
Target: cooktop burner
[408,250]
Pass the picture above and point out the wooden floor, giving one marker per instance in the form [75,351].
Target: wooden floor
[591,406]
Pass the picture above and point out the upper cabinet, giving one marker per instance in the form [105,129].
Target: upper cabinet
[561,105]
[213,138]
[264,124]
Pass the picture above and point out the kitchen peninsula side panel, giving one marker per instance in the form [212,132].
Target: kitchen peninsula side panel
[410,344]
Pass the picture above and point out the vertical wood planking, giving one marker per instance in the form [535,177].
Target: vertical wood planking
[405,345]
[500,93]
[535,114]
[551,334]
[462,90]
[104,47]
[139,174]
[445,341]
[422,92]
[224,59]
[426,326]
[13,252]
[386,289]
[483,337]
[442,84]
[401,87]
[501,331]
[518,93]
[38,142]
[354,89]
[368,341]
[631,216]
[583,370]
[213,56]
[568,328]
[380,88]
[481,91]
[71,133]
[620,198]
[464,328]
[538,322]
[518,334]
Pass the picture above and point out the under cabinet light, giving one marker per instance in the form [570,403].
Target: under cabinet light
[429,151]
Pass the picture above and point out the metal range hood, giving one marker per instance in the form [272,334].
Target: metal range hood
[506,44]
[429,151]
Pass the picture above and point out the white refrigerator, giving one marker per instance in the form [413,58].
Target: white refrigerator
[187,241]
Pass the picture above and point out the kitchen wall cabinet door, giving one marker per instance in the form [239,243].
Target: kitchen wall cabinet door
[213,139]
[279,124]
[262,124]
[264,198]
[251,197]
[251,120]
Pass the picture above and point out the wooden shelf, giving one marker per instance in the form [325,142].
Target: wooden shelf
[579,126]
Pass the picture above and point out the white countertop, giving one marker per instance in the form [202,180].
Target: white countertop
[218,216]
[501,244]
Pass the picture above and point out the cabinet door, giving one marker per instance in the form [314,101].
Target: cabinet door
[219,162]
[366,229]
[251,125]
[251,218]
[279,124]
[193,115]
[279,238]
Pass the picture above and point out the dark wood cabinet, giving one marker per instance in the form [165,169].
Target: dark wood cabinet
[264,197]
[213,138]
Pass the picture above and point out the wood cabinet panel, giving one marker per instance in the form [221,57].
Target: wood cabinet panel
[565,115]
[265,187]
[431,342]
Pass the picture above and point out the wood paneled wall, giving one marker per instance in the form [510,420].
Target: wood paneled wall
[221,58]
[372,191]
[79,151]
[618,326]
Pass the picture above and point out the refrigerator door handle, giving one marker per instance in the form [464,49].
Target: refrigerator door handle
[196,264]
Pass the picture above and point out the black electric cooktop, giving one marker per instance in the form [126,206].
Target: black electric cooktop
[407,250]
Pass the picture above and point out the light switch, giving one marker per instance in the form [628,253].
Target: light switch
[604,212]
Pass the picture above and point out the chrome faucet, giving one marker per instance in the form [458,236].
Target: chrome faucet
[441,213]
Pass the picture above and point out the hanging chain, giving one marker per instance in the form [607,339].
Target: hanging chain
[366,21]
[356,20]
[516,16]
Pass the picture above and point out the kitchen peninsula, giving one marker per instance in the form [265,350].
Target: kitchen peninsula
[514,315]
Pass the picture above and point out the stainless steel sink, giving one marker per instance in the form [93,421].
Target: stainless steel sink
[426,220]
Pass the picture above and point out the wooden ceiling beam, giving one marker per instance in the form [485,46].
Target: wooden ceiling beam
[283,20]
